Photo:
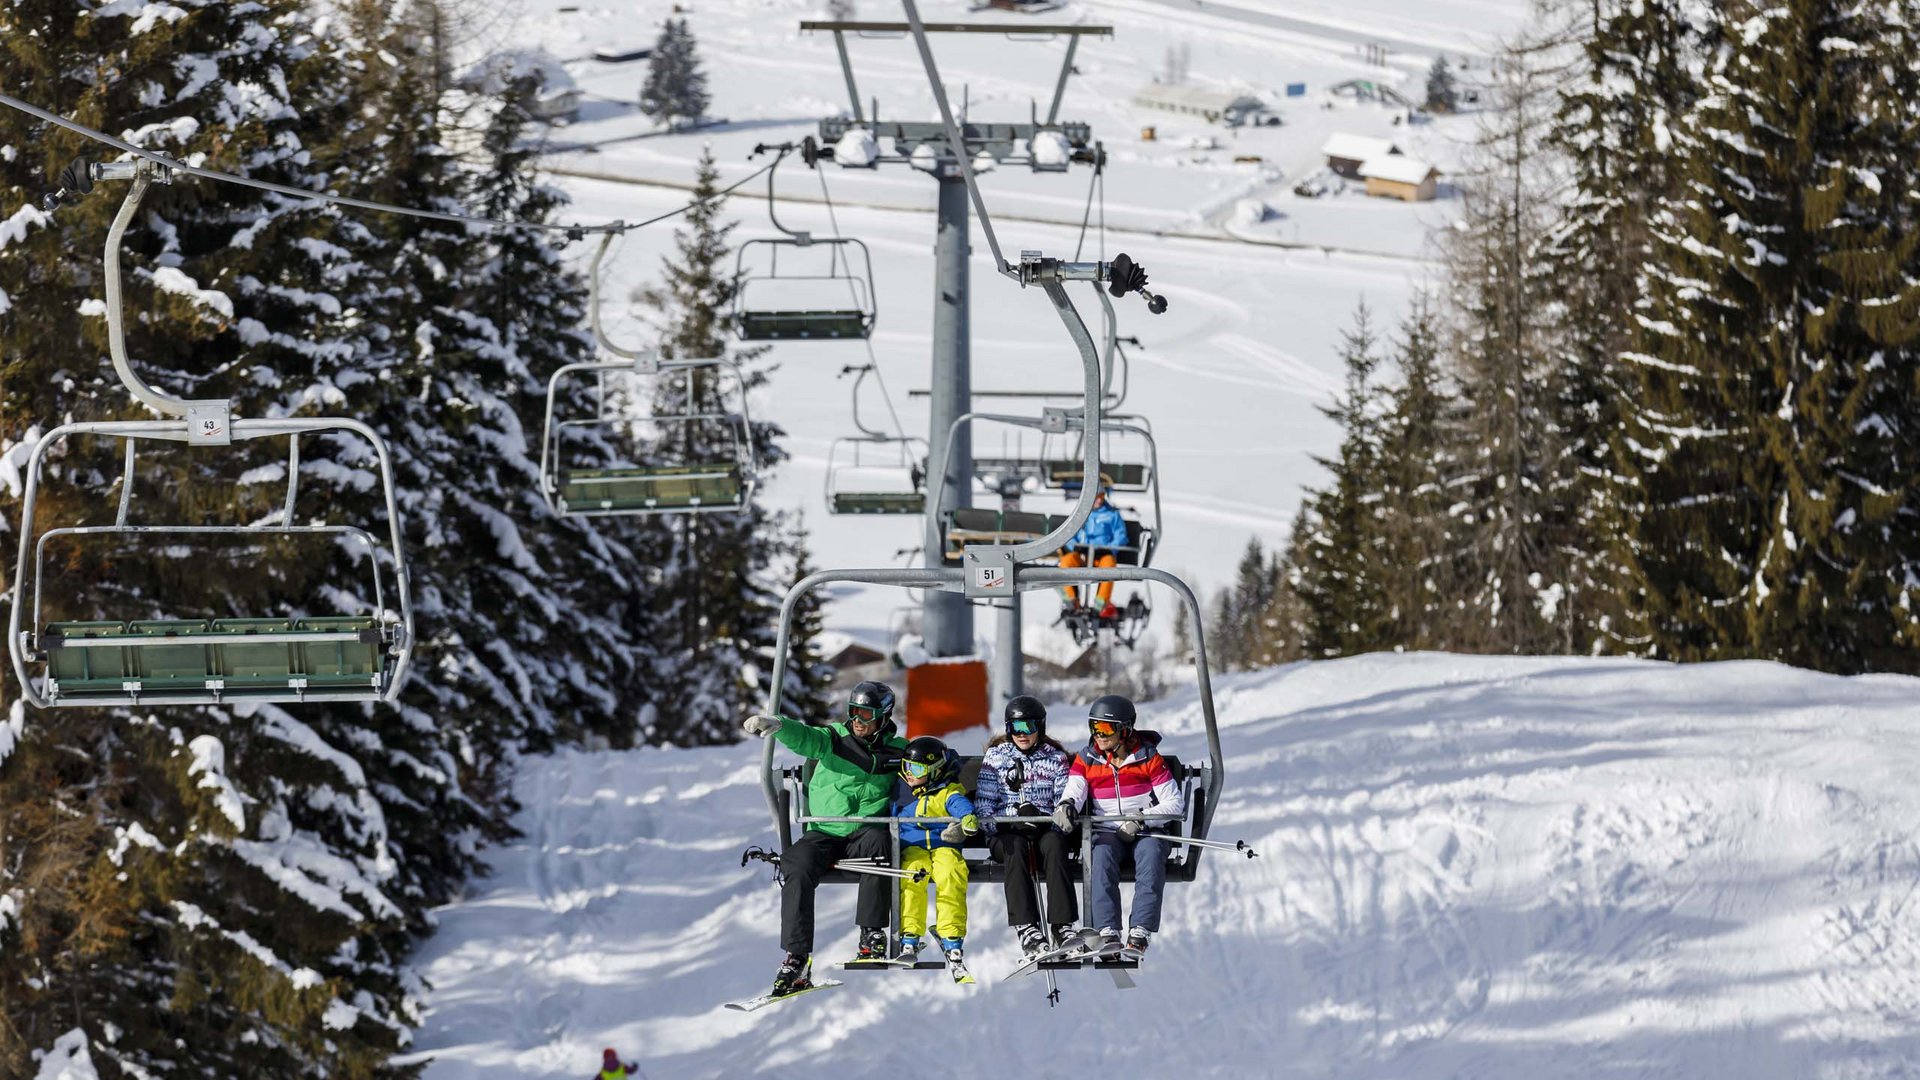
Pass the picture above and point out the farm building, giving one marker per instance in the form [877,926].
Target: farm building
[1346,153]
[1397,176]
[1213,106]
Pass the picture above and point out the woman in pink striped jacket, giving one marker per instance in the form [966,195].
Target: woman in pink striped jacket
[1121,772]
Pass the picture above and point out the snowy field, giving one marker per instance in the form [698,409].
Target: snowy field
[1469,867]
[1232,377]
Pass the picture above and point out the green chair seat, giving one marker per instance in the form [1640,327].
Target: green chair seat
[158,662]
[801,325]
[147,658]
[82,665]
[1119,475]
[879,502]
[652,488]
[329,660]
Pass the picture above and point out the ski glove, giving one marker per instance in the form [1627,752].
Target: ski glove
[1027,809]
[1063,817]
[759,724]
[960,830]
[1130,829]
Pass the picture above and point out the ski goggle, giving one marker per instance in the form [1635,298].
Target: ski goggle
[864,714]
[1024,727]
[915,769]
[1104,727]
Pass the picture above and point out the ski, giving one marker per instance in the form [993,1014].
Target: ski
[765,1000]
[863,963]
[1075,948]
[957,968]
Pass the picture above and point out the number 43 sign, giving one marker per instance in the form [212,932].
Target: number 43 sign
[209,423]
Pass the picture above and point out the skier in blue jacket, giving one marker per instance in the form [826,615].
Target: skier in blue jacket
[1104,531]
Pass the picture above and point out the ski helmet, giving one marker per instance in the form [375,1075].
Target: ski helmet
[1028,713]
[871,703]
[1114,710]
[928,757]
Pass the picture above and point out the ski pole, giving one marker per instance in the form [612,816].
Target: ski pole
[1217,845]
[874,869]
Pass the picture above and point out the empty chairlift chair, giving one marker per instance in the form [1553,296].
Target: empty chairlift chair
[874,472]
[721,480]
[823,292]
[355,656]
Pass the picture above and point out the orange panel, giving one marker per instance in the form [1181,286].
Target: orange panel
[943,698]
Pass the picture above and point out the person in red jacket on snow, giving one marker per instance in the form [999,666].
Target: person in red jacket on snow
[1121,772]
[612,1068]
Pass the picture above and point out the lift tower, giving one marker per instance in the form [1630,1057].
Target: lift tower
[1044,145]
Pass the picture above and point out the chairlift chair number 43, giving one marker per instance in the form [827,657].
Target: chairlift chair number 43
[360,656]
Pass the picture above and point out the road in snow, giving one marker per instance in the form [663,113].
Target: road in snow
[1495,868]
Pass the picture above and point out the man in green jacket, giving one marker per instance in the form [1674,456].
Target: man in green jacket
[857,764]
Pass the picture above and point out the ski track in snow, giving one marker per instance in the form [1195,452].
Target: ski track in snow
[1469,867]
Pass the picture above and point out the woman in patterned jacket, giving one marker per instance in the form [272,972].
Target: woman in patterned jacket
[1121,773]
[1023,774]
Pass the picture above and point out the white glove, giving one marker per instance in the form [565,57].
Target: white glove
[1130,829]
[1063,817]
[952,834]
[758,724]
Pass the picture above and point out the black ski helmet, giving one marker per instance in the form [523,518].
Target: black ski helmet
[929,757]
[1113,709]
[1027,707]
[871,701]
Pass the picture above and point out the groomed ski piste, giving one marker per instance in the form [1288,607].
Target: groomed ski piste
[1468,867]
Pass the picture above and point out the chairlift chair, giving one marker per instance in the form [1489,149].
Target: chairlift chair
[1202,780]
[827,297]
[855,462]
[685,487]
[353,656]
[852,466]
[964,525]
[833,302]
[358,655]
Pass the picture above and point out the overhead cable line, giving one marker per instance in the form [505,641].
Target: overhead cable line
[175,165]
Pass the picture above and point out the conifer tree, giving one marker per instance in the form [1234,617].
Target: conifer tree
[676,89]
[1775,351]
[225,893]
[720,588]
[1338,576]
[1421,562]
[1442,95]
[1636,78]
[1511,490]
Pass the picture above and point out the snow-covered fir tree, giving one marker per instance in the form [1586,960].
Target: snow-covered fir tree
[1511,484]
[675,92]
[1443,95]
[1775,351]
[223,893]
[1420,449]
[1337,568]
[720,585]
[1637,73]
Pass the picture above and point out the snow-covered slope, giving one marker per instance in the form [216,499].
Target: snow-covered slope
[1469,867]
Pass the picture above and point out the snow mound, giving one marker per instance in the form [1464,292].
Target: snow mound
[1500,868]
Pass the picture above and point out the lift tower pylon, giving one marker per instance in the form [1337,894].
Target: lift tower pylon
[1044,145]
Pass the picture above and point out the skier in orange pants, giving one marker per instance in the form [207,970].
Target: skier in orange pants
[1104,531]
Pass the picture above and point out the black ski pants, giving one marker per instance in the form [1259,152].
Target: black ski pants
[809,858]
[1050,852]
